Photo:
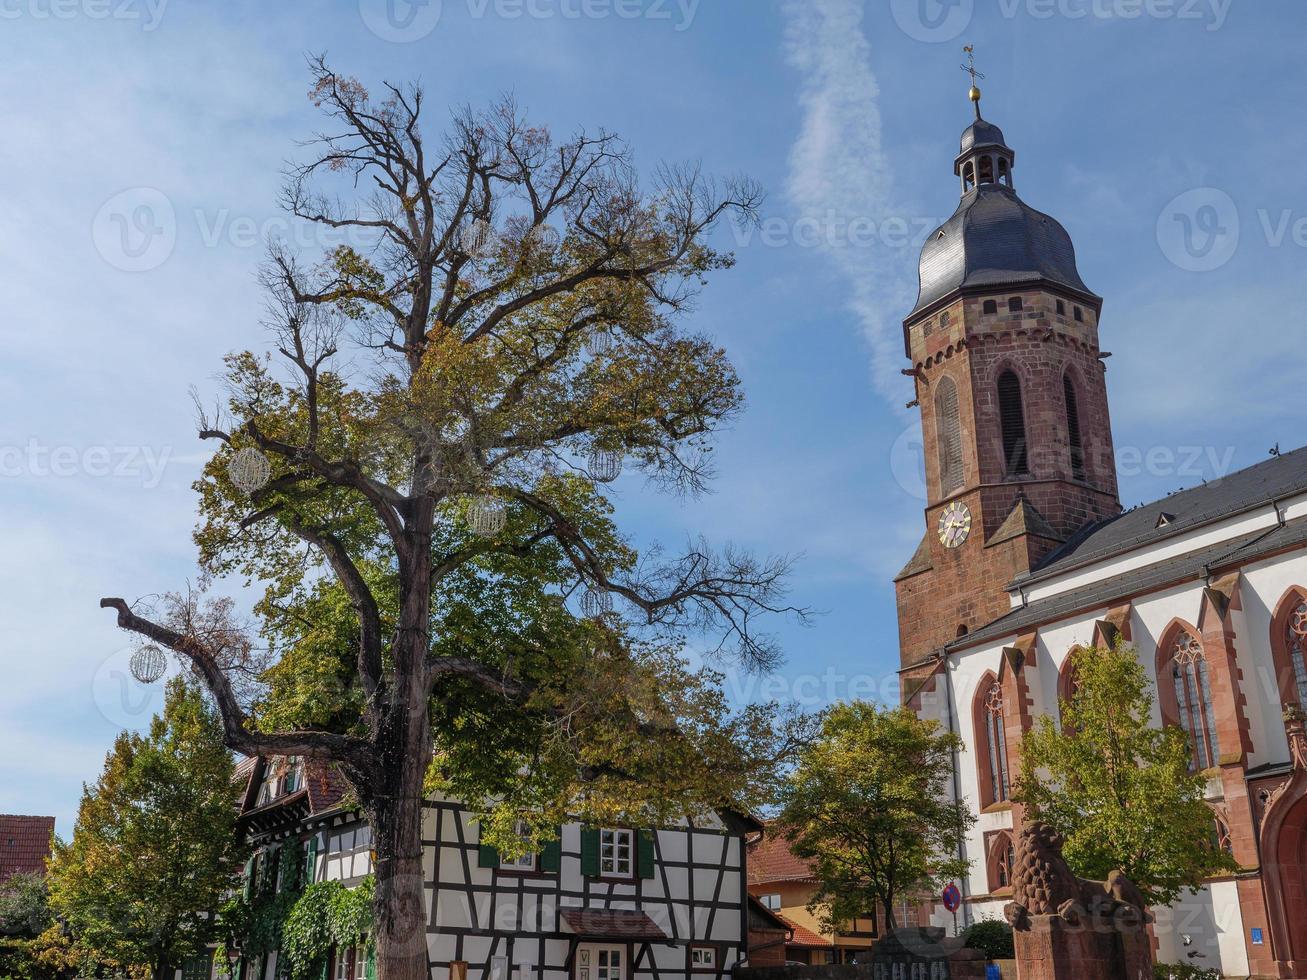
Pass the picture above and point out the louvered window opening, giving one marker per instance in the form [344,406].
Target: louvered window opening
[1073,428]
[1012,418]
[948,436]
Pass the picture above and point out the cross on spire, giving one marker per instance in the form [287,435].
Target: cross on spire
[970,69]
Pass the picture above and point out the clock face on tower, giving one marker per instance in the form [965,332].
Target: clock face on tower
[954,524]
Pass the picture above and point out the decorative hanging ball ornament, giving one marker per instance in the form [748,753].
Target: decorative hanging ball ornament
[545,236]
[596,602]
[249,470]
[599,342]
[605,467]
[148,664]
[477,239]
[486,516]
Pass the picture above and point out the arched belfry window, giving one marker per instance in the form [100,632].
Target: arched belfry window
[1073,428]
[991,742]
[1193,698]
[1296,644]
[1012,420]
[948,437]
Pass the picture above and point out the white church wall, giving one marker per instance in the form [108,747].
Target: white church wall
[1264,585]
[1204,929]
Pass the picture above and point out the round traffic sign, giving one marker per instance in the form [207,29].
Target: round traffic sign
[952,898]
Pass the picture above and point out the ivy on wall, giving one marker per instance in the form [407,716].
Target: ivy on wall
[279,914]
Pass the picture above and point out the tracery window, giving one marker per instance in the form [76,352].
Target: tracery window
[996,742]
[1193,698]
[1296,644]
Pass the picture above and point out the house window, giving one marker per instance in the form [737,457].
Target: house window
[702,958]
[1193,698]
[1079,314]
[1014,305]
[1012,420]
[616,852]
[1061,308]
[990,306]
[944,319]
[1073,428]
[996,743]
[1297,643]
[525,862]
[948,437]
[772,901]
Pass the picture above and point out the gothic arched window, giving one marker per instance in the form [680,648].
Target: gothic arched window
[1012,420]
[1289,646]
[1073,428]
[999,861]
[991,743]
[1193,698]
[948,437]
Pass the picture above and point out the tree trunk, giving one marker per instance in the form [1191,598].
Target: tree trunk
[395,807]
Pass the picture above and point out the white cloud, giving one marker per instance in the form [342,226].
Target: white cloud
[838,165]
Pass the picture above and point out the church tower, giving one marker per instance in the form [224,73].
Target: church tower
[1003,343]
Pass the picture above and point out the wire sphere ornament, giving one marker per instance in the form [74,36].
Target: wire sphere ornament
[596,602]
[599,342]
[605,466]
[486,516]
[249,470]
[544,236]
[477,239]
[148,664]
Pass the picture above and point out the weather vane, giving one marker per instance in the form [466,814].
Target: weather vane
[970,69]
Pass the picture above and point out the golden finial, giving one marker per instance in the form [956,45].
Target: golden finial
[970,69]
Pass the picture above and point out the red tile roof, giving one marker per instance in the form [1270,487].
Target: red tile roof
[611,924]
[770,859]
[804,936]
[24,844]
[326,786]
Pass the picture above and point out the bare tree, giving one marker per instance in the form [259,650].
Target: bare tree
[498,323]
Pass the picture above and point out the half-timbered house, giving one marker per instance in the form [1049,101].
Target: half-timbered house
[598,903]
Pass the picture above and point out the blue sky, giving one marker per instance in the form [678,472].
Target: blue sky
[1132,120]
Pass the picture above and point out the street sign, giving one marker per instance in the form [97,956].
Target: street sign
[952,898]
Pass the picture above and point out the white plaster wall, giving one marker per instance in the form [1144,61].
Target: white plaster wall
[1204,929]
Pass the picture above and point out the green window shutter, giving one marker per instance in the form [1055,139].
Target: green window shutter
[311,860]
[551,857]
[371,968]
[590,852]
[249,878]
[644,853]
[487,857]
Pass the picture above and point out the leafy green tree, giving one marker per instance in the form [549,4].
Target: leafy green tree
[153,849]
[24,907]
[868,805]
[1119,789]
[494,328]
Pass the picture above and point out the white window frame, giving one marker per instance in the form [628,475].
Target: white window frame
[588,957]
[616,846]
[527,861]
[771,901]
[703,958]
